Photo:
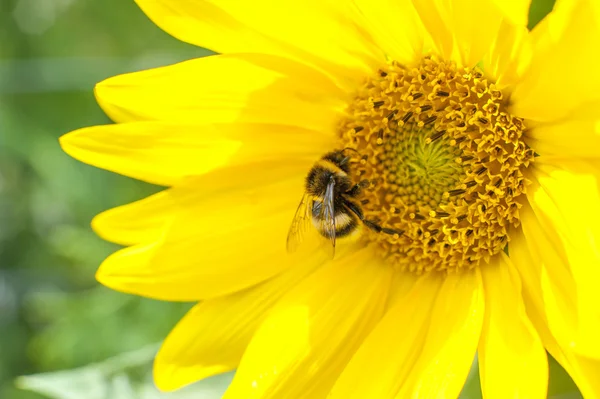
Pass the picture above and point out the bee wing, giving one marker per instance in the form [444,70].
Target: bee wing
[328,213]
[302,219]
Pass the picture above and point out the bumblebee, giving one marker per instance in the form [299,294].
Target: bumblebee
[330,201]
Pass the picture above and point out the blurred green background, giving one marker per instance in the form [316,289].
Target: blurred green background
[53,315]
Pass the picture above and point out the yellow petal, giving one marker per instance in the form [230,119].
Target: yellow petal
[583,371]
[138,222]
[451,340]
[309,336]
[566,200]
[396,27]
[325,34]
[509,55]
[218,242]
[436,16]
[512,359]
[154,152]
[545,275]
[515,11]
[423,347]
[462,30]
[575,136]
[379,367]
[223,89]
[212,337]
[561,75]
[475,28]
[144,221]
[166,153]
[402,284]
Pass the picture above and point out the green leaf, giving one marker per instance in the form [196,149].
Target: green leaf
[538,10]
[127,376]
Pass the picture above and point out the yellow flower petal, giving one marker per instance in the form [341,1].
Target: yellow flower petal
[402,284]
[577,136]
[423,347]
[396,27]
[223,89]
[144,221]
[154,152]
[328,35]
[138,222]
[436,17]
[566,200]
[166,153]
[582,370]
[462,30]
[381,364]
[545,275]
[515,11]
[509,55]
[210,247]
[512,359]
[475,28]
[212,337]
[451,340]
[309,336]
[561,76]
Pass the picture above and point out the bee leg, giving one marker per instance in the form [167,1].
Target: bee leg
[378,229]
[392,231]
[358,187]
[372,225]
[354,209]
[354,191]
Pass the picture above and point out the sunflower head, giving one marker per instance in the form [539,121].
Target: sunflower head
[446,159]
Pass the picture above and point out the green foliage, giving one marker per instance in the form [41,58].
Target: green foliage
[538,10]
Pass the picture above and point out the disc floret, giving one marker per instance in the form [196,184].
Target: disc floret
[446,159]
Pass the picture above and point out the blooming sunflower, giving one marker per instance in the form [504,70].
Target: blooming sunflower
[480,143]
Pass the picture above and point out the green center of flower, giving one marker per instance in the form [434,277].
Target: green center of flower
[427,170]
[445,160]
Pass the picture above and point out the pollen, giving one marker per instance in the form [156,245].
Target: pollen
[445,160]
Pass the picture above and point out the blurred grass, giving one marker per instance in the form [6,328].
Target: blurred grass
[53,315]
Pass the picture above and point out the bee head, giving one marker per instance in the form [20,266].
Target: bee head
[341,158]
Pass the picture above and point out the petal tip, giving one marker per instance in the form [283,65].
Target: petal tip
[102,277]
[112,270]
[101,225]
[71,144]
[163,375]
[100,93]
[103,221]
[104,274]
[66,140]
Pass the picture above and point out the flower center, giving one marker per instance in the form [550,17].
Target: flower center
[445,160]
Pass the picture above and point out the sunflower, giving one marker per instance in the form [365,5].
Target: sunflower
[480,144]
